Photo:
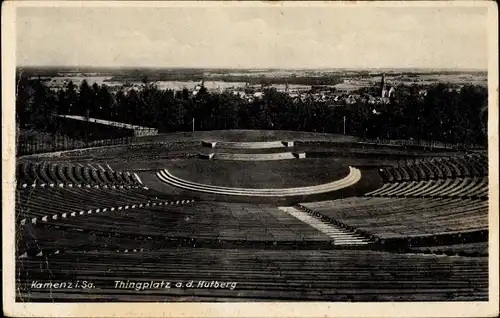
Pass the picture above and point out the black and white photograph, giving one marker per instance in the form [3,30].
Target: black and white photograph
[256,154]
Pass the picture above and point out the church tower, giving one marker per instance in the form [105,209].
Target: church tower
[383,90]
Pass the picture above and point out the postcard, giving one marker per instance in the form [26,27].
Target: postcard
[250,159]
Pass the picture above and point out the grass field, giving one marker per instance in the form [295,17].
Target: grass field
[259,174]
[370,180]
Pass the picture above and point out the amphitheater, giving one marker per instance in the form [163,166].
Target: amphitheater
[283,215]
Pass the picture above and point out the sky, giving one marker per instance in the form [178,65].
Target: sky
[254,37]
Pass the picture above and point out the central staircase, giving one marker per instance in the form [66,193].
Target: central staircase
[339,235]
[253,156]
[247,144]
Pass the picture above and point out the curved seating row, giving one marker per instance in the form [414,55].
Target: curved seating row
[436,168]
[475,187]
[36,205]
[33,241]
[405,217]
[353,177]
[203,221]
[257,274]
[477,248]
[32,174]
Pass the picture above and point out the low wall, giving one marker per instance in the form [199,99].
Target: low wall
[96,129]
[145,132]
[78,129]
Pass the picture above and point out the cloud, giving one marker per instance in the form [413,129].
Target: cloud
[253,37]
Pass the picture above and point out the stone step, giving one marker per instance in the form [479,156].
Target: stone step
[248,144]
[253,157]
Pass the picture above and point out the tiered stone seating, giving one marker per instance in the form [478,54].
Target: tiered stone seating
[352,178]
[438,173]
[458,171]
[55,239]
[474,166]
[199,221]
[454,177]
[55,173]
[397,174]
[44,174]
[421,172]
[405,217]
[478,248]
[69,174]
[478,165]
[442,166]
[258,274]
[386,174]
[427,171]
[39,205]
[29,173]
[477,187]
[405,175]
[440,187]
[460,187]
[464,168]
[413,173]
[483,162]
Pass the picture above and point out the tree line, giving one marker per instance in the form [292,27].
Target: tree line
[443,114]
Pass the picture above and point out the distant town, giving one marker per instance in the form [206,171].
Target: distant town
[337,87]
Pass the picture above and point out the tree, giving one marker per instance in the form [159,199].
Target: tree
[107,103]
[25,95]
[70,105]
[173,113]
[85,100]
[42,108]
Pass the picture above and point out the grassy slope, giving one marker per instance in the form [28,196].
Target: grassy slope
[183,144]
[150,156]
[247,135]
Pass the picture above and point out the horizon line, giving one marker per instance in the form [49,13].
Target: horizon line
[253,68]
